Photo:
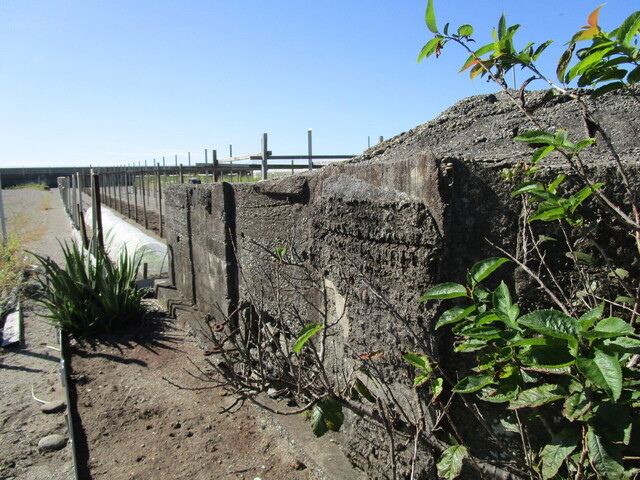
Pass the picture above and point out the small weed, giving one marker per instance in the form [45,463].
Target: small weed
[12,265]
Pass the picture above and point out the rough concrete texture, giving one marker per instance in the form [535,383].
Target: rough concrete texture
[366,238]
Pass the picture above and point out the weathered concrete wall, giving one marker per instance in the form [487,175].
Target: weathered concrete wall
[374,234]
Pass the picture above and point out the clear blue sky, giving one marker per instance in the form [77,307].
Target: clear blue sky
[122,81]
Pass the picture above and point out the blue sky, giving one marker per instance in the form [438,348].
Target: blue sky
[123,81]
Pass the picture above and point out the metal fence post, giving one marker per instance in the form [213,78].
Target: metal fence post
[2,219]
[309,147]
[265,156]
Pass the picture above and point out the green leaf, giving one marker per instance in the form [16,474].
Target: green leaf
[554,355]
[528,187]
[605,457]
[609,87]
[575,406]
[472,345]
[590,317]
[465,30]
[486,332]
[545,238]
[502,26]
[582,195]
[326,415]
[536,136]
[634,76]
[333,415]
[454,315]
[563,63]
[548,211]
[476,55]
[541,49]
[560,138]
[555,453]
[624,299]
[620,273]
[553,186]
[484,319]
[608,328]
[586,62]
[502,298]
[583,257]
[484,268]
[623,345]
[417,360]
[450,462]
[629,29]
[536,396]
[509,422]
[541,152]
[437,387]
[430,17]
[443,291]
[552,323]
[613,422]
[429,48]
[472,383]
[364,391]
[318,426]
[280,252]
[305,334]
[421,378]
[584,143]
[604,371]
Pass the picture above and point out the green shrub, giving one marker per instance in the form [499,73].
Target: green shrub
[91,294]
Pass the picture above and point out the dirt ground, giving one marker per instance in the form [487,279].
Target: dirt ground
[38,219]
[133,422]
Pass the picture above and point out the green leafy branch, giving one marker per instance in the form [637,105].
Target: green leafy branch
[544,357]
[609,63]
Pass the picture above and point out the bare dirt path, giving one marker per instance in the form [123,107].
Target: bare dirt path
[140,426]
[133,422]
[38,218]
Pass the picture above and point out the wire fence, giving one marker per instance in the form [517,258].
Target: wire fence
[137,191]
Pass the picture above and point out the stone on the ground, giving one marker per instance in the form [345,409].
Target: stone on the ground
[53,406]
[52,442]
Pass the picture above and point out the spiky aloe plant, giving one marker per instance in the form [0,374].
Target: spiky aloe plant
[90,294]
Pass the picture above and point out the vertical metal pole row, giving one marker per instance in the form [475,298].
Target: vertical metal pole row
[2,219]
[310,147]
[74,210]
[97,213]
[265,156]
[144,204]
[160,205]
[118,175]
[80,187]
[126,187]
[135,193]
[216,168]
[156,178]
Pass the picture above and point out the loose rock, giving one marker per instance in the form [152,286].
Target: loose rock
[53,406]
[52,442]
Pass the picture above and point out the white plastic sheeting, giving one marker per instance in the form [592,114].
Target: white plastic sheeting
[120,235]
